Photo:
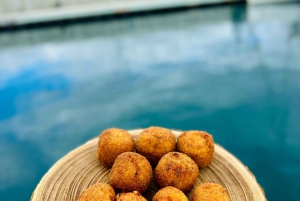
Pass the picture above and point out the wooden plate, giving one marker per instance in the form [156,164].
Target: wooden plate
[79,169]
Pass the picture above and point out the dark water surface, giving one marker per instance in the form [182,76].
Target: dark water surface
[233,71]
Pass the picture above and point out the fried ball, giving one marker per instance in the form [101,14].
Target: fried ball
[177,170]
[112,142]
[154,142]
[169,194]
[130,172]
[198,145]
[134,196]
[98,192]
[210,192]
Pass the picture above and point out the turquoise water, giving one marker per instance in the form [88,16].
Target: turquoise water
[233,71]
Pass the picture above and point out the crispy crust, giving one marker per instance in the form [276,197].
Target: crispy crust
[112,142]
[154,142]
[198,145]
[134,196]
[130,172]
[98,192]
[210,192]
[177,170]
[170,194]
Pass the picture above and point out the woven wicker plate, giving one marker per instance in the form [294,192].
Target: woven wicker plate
[79,169]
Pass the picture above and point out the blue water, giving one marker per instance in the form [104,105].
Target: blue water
[233,71]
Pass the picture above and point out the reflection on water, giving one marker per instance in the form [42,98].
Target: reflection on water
[216,69]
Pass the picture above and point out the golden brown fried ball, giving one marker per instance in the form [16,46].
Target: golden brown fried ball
[198,145]
[177,170]
[112,142]
[154,142]
[130,172]
[134,196]
[210,192]
[98,192]
[169,194]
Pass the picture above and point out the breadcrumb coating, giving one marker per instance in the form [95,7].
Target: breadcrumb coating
[177,170]
[130,172]
[154,142]
[198,145]
[169,193]
[134,196]
[112,142]
[98,192]
[210,192]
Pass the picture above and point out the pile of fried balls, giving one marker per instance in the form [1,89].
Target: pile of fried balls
[174,163]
